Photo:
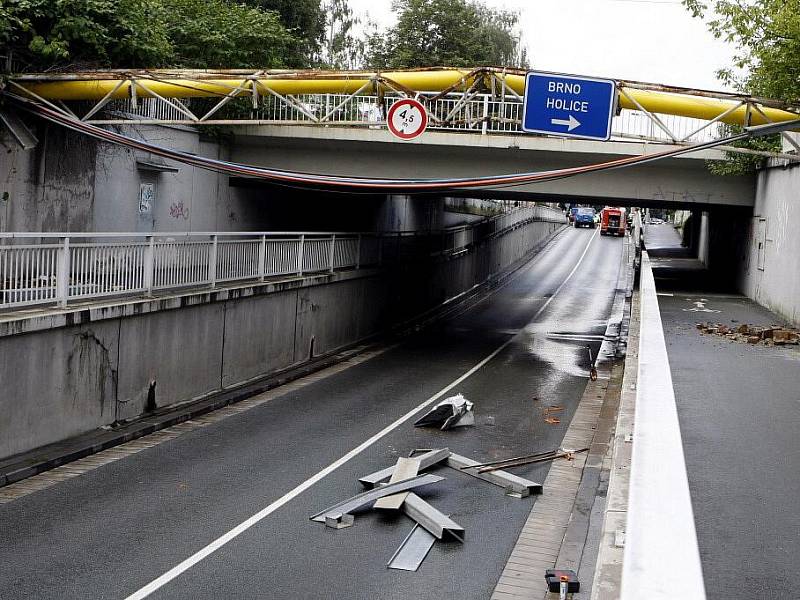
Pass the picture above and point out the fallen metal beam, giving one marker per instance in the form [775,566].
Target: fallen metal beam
[365,498]
[433,520]
[425,461]
[502,461]
[530,461]
[406,468]
[518,487]
[413,550]
[339,521]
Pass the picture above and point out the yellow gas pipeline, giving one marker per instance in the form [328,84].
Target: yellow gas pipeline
[199,84]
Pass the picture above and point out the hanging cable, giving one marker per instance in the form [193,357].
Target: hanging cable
[342,182]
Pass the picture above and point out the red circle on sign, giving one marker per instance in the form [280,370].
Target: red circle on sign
[407,119]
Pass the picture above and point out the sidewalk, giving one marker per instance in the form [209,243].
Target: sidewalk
[739,411]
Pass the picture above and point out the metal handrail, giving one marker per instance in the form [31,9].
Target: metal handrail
[481,113]
[56,267]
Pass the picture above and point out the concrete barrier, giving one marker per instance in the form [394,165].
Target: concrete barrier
[68,372]
[661,558]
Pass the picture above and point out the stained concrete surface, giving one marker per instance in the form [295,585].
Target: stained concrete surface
[739,411]
[113,530]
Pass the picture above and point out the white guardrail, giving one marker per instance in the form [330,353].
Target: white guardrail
[661,558]
[54,268]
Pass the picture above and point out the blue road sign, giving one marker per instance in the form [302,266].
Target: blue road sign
[569,106]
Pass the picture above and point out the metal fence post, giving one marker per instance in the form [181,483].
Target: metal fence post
[62,274]
[358,252]
[212,262]
[332,253]
[262,258]
[300,254]
[149,265]
[485,126]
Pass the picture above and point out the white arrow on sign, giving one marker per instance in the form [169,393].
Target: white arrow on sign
[571,124]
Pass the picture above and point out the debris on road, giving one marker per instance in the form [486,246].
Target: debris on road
[430,524]
[338,510]
[568,454]
[427,460]
[406,468]
[772,335]
[434,521]
[552,409]
[515,486]
[413,550]
[507,460]
[339,520]
[552,420]
[455,411]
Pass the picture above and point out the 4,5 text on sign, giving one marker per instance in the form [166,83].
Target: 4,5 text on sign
[407,119]
[568,105]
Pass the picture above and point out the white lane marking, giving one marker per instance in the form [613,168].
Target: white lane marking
[271,508]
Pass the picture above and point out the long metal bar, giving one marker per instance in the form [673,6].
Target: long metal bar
[231,95]
[432,519]
[426,461]
[518,487]
[624,93]
[716,119]
[105,100]
[505,460]
[364,498]
[413,550]
[788,138]
[406,468]
[343,102]
[529,461]
[174,103]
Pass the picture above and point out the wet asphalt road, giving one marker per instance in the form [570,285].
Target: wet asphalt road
[108,533]
[739,411]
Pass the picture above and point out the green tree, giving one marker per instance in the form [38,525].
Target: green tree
[305,20]
[455,33]
[59,34]
[341,49]
[766,35]
[47,33]
[217,33]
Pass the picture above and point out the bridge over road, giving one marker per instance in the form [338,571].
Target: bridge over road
[684,181]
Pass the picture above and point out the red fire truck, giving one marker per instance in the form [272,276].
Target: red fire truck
[613,221]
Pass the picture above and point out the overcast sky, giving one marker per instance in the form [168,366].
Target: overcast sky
[645,40]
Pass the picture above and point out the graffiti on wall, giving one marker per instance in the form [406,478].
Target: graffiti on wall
[177,210]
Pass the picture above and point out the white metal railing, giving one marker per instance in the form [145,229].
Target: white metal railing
[55,268]
[482,113]
[479,113]
[59,267]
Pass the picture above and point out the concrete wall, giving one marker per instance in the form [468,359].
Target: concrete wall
[770,266]
[66,373]
[72,183]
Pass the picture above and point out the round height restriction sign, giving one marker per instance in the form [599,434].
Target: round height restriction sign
[407,119]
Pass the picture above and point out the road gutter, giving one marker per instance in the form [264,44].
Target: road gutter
[608,570]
